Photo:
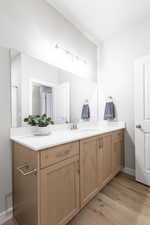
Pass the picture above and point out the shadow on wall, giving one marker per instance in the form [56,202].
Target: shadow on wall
[129,151]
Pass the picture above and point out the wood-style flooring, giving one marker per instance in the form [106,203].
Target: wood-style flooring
[122,202]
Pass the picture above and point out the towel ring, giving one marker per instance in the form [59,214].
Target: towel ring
[86,101]
[109,99]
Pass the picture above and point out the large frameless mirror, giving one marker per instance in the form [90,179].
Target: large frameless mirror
[39,88]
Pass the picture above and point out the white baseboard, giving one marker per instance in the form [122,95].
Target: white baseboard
[129,171]
[5,216]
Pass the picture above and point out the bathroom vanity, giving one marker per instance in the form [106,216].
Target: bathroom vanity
[55,177]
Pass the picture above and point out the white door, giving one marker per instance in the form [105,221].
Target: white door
[142,119]
[61,96]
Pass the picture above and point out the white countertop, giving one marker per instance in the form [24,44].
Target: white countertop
[66,135]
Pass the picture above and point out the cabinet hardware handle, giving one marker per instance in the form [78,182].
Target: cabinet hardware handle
[101,144]
[20,169]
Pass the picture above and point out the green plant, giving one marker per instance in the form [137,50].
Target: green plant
[38,120]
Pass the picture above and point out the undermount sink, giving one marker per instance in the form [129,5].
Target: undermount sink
[86,130]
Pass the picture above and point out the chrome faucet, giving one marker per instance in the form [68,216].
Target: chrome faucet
[74,126]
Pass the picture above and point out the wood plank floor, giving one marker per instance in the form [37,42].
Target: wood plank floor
[122,202]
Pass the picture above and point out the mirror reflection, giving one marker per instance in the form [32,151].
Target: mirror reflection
[39,88]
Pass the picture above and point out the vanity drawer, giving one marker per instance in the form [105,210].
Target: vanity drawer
[58,153]
[118,135]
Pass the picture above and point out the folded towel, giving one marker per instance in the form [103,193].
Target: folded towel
[85,112]
[109,111]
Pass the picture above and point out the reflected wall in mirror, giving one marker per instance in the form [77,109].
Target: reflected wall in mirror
[40,88]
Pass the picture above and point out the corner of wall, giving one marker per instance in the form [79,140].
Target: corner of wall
[5,216]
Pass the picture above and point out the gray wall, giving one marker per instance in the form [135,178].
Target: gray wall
[5,150]
[31,26]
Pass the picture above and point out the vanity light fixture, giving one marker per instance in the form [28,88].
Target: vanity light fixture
[69,61]
[74,57]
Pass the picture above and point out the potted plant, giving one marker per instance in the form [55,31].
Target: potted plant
[40,123]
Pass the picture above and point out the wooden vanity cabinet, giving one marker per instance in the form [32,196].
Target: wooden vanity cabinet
[100,161]
[25,210]
[88,169]
[50,195]
[107,157]
[110,156]
[59,187]
[59,181]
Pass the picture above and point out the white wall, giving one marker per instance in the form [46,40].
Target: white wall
[32,26]
[5,121]
[117,69]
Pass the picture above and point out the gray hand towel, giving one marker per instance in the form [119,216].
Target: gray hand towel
[109,111]
[85,112]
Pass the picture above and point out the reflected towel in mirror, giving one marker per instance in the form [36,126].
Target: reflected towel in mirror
[85,112]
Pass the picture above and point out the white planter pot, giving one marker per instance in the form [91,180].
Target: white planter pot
[41,131]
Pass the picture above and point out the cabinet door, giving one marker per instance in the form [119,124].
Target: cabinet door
[88,169]
[59,192]
[107,156]
[24,186]
[100,161]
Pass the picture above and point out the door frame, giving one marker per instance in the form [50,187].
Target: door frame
[44,83]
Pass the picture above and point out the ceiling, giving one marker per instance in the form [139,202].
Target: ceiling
[100,19]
